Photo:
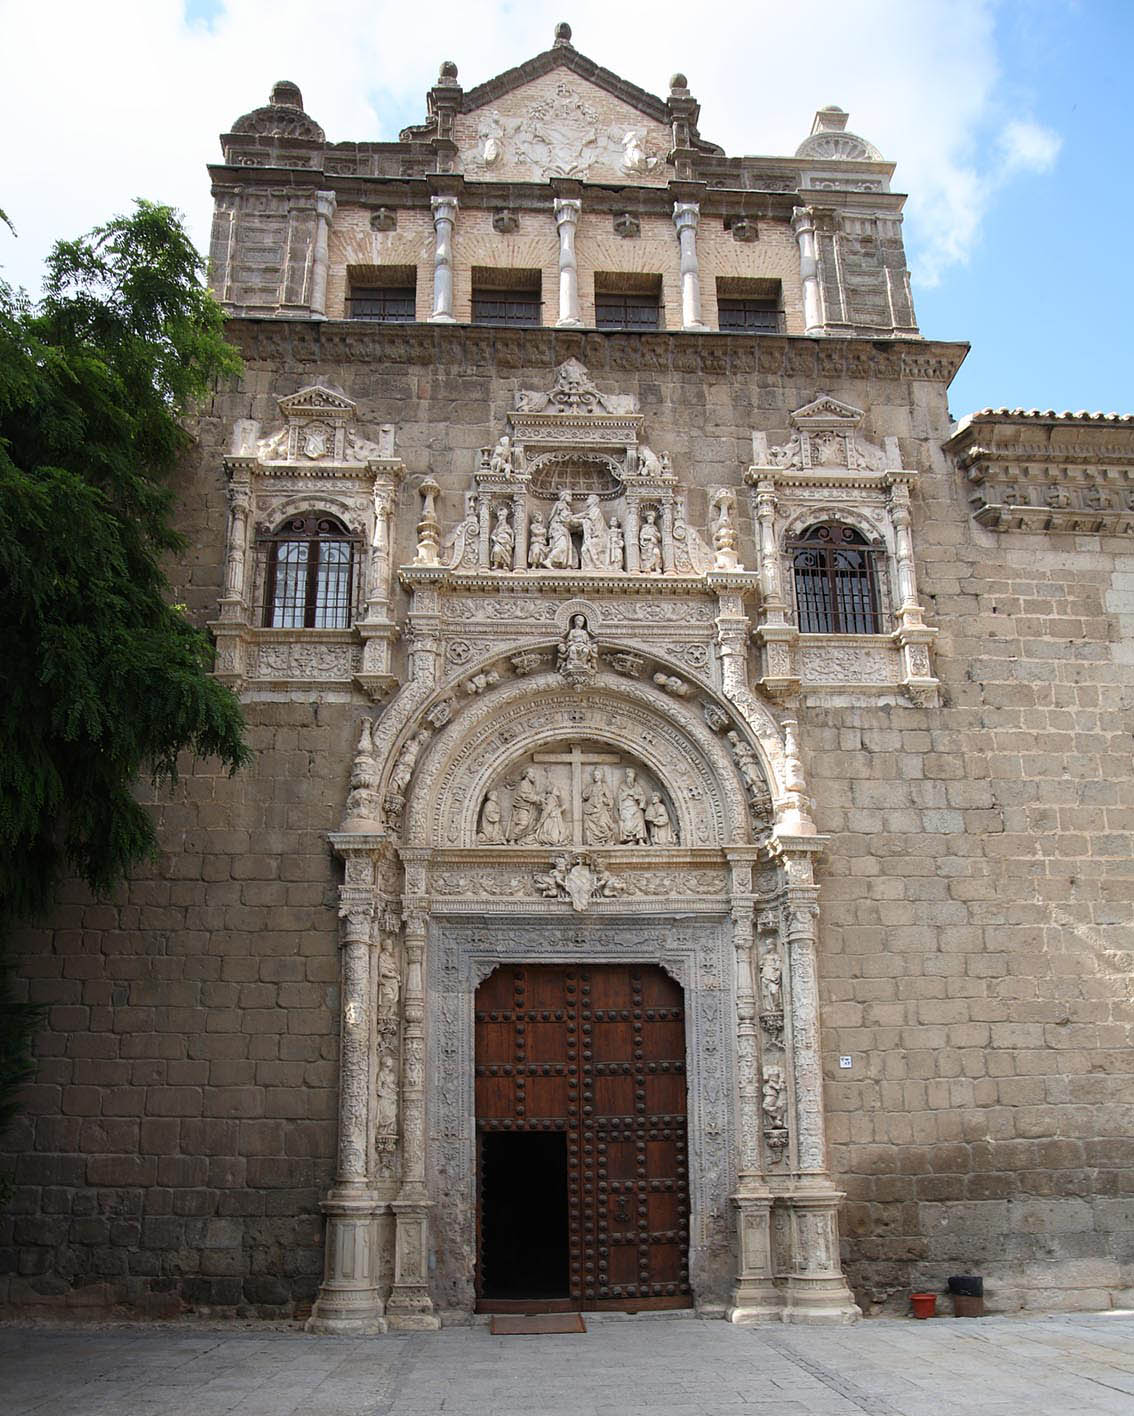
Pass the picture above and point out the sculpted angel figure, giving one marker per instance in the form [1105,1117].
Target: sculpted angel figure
[596,537]
[649,545]
[560,553]
[491,830]
[657,819]
[537,542]
[503,542]
[631,810]
[598,811]
[527,802]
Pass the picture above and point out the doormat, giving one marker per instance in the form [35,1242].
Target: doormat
[521,1324]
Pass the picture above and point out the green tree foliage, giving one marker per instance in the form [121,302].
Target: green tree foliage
[102,678]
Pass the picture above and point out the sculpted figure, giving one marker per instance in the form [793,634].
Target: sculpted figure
[578,656]
[598,811]
[660,826]
[387,1097]
[491,831]
[403,768]
[537,542]
[596,538]
[552,828]
[503,542]
[771,975]
[389,983]
[560,552]
[748,765]
[631,810]
[527,802]
[648,462]
[649,546]
[617,557]
[501,460]
[775,1097]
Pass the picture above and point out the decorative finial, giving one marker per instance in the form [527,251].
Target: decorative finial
[285,94]
[447,73]
[678,83]
[562,33]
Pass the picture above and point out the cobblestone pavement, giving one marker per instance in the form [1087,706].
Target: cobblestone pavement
[665,1366]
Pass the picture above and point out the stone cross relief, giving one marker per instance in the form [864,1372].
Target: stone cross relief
[578,796]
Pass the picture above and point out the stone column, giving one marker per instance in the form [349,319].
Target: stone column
[410,1307]
[686,215]
[668,558]
[484,529]
[324,211]
[567,211]
[444,215]
[233,605]
[520,528]
[348,1300]
[903,548]
[803,224]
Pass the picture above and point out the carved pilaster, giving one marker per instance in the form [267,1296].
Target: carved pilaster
[324,211]
[410,1306]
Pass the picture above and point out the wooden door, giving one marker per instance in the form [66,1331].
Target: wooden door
[595,1054]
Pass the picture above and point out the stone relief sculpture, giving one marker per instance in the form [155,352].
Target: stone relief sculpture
[598,811]
[527,804]
[579,878]
[491,828]
[649,546]
[387,1109]
[578,653]
[658,824]
[552,827]
[775,1100]
[537,542]
[560,551]
[500,461]
[771,975]
[616,557]
[503,542]
[631,810]
[595,553]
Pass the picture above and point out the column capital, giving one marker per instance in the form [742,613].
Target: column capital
[444,207]
[686,215]
[567,209]
[325,203]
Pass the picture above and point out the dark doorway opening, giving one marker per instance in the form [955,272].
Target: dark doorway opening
[523,1196]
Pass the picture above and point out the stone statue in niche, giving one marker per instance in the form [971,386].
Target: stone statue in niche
[578,653]
[527,806]
[560,551]
[503,542]
[771,976]
[775,1098]
[631,810]
[491,829]
[617,556]
[649,545]
[387,1087]
[537,542]
[595,553]
[658,823]
[598,811]
[552,827]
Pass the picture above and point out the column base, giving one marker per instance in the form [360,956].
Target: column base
[752,1303]
[348,1301]
[412,1322]
[441,319]
[568,324]
[824,1299]
[344,1327]
[697,328]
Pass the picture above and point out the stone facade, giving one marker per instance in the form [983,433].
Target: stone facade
[903,842]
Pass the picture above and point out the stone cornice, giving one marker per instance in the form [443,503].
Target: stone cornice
[300,343]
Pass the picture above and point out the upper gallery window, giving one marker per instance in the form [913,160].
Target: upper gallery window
[627,300]
[836,590]
[749,306]
[386,293]
[309,575]
[506,297]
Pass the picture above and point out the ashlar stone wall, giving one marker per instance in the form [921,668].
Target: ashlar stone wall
[976,889]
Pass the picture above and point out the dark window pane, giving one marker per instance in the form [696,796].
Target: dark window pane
[626,311]
[835,588]
[507,307]
[748,315]
[310,576]
[394,304]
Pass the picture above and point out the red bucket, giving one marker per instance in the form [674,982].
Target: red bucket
[924,1305]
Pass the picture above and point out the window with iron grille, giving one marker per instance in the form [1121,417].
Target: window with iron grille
[310,575]
[392,304]
[627,309]
[506,307]
[750,316]
[836,589]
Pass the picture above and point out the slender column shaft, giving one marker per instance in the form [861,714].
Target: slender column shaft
[903,546]
[324,211]
[803,223]
[444,217]
[239,505]
[630,532]
[810,1130]
[567,219]
[378,587]
[668,557]
[686,215]
[354,1060]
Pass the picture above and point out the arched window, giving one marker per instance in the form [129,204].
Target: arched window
[836,589]
[309,574]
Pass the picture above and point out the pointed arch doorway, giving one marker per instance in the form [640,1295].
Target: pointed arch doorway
[582,1165]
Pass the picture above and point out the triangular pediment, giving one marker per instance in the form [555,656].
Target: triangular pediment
[565,60]
[827,412]
[316,398]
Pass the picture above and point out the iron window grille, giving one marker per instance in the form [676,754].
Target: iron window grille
[836,583]
[518,308]
[310,574]
[391,304]
[748,316]
[631,310]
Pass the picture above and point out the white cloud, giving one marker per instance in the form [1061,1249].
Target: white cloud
[125,98]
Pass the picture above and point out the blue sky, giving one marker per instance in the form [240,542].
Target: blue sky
[1007,118]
